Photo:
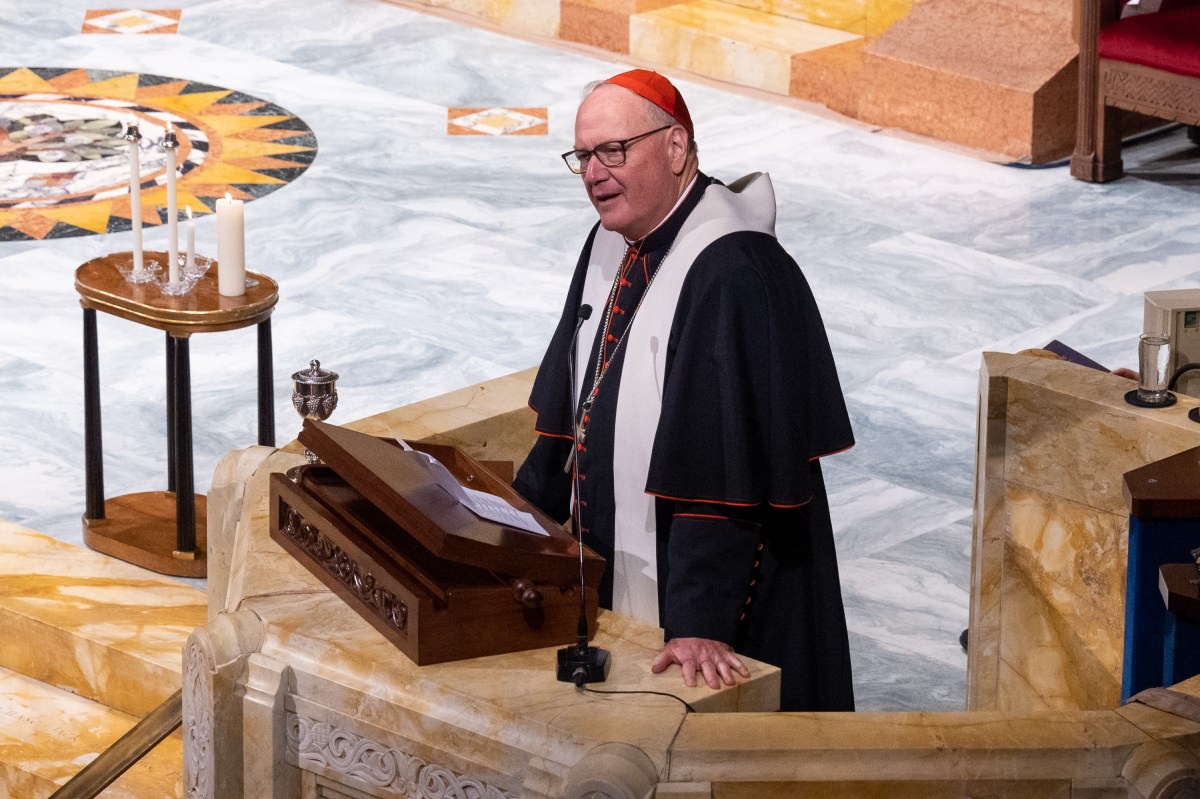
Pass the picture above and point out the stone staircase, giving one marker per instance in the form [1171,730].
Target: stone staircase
[997,77]
[735,44]
[746,43]
[88,645]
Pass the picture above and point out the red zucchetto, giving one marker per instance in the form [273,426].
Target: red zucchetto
[658,90]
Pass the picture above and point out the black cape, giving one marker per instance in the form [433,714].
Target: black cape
[751,400]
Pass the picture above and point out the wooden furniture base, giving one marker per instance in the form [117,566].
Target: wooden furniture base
[1109,87]
[139,529]
[102,288]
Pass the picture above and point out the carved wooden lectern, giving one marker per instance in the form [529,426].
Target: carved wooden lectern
[440,582]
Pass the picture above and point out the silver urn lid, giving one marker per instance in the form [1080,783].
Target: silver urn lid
[314,375]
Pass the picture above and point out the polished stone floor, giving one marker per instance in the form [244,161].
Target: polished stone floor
[415,256]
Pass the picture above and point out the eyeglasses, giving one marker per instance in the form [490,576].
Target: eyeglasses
[610,153]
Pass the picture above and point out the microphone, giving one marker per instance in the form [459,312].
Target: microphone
[580,663]
[584,313]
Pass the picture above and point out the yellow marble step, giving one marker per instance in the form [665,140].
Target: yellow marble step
[90,624]
[738,45]
[847,15]
[47,735]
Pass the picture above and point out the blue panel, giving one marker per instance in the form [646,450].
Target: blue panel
[1152,542]
[1181,649]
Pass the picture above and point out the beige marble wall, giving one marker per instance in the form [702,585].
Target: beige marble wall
[1051,530]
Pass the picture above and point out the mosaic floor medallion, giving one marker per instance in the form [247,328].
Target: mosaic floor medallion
[65,168]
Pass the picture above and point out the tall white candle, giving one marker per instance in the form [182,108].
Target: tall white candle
[135,193]
[231,247]
[190,262]
[170,144]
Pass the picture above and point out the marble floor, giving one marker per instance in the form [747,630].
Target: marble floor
[413,261]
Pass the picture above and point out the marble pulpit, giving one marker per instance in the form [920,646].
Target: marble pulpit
[1051,530]
[287,692]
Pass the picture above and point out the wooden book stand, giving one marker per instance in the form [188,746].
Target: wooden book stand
[438,581]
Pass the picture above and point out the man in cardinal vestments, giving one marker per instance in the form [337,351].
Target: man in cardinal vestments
[705,395]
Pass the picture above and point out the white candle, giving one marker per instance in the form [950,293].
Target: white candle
[135,194]
[231,247]
[172,213]
[191,240]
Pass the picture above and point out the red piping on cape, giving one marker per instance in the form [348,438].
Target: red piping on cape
[547,433]
[835,452]
[707,501]
[781,505]
[553,435]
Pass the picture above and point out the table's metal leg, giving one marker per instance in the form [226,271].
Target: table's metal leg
[266,386]
[185,492]
[93,454]
[170,413]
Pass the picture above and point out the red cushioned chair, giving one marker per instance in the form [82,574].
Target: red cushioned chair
[1148,63]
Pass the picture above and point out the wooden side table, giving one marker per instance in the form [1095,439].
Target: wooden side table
[135,527]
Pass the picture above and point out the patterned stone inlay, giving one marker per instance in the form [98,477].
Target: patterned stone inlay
[354,756]
[131,20]
[497,121]
[334,560]
[64,168]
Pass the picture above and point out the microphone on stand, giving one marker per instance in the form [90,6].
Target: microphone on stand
[580,663]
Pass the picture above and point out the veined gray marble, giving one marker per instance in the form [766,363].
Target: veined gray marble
[413,263]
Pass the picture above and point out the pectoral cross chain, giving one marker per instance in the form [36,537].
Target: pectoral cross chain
[584,418]
[580,433]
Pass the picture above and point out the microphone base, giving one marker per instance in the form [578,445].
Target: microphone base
[583,665]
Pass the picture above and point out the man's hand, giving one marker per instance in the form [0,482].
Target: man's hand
[713,659]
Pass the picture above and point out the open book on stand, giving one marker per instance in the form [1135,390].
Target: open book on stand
[378,527]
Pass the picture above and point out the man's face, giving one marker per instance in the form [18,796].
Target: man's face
[634,197]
